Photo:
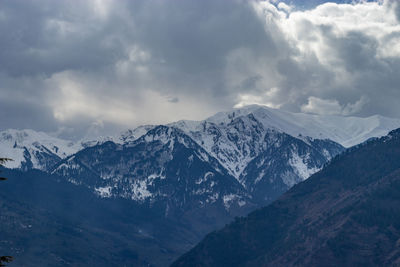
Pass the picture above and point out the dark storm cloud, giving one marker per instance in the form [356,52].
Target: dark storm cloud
[46,37]
[99,64]
[13,114]
[189,43]
[195,36]
[23,104]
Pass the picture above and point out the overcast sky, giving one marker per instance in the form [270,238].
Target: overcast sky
[100,66]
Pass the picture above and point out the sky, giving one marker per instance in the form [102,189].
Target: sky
[95,67]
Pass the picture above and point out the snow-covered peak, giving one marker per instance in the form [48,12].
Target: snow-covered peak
[225,117]
[27,137]
[235,137]
[20,144]
[124,137]
[347,131]
[131,135]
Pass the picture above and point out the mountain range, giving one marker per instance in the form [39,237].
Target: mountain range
[185,178]
[212,133]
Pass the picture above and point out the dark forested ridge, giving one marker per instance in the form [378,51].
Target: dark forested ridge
[46,221]
[348,214]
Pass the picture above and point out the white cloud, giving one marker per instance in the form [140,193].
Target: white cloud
[285,7]
[332,106]
[73,96]
[336,51]
[266,99]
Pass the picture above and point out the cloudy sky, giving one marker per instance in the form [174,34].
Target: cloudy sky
[99,66]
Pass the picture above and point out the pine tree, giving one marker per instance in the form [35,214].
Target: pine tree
[4,259]
[2,161]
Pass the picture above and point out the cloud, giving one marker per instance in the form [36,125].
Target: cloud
[285,7]
[173,100]
[266,99]
[332,106]
[117,64]
[337,53]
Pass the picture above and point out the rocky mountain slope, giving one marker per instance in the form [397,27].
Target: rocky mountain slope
[164,167]
[345,215]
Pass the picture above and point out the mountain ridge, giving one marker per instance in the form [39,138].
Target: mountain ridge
[347,131]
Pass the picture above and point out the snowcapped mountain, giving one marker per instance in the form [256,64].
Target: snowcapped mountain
[164,167]
[233,137]
[256,152]
[237,137]
[347,131]
[31,149]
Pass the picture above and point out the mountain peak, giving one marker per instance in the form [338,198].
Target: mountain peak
[24,146]
[347,131]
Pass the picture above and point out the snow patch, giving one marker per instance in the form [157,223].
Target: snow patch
[213,198]
[241,203]
[228,199]
[140,191]
[104,192]
[206,176]
[300,167]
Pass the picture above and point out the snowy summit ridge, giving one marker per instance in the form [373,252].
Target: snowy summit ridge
[347,131]
[236,137]
[233,137]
